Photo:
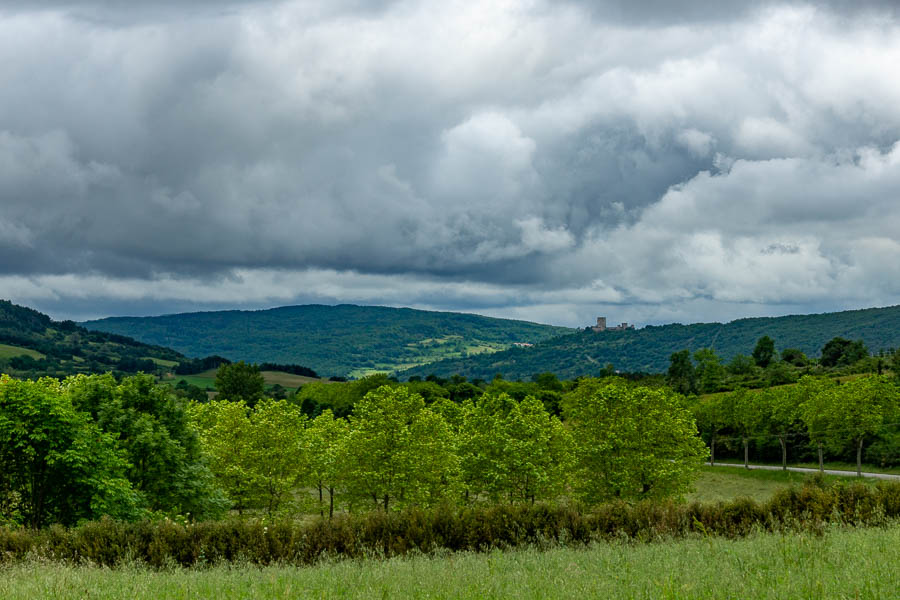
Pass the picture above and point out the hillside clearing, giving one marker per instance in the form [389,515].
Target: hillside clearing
[207,379]
[7,351]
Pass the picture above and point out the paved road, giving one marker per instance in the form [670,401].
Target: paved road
[807,470]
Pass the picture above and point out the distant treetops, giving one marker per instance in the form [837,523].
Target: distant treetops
[703,371]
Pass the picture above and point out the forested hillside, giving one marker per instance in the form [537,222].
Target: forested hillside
[332,340]
[32,344]
[649,349]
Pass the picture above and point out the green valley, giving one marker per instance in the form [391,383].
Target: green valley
[345,340]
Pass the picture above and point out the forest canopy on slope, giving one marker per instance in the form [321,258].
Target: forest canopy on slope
[587,353]
[332,340]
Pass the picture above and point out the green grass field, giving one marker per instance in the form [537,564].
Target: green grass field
[843,563]
[726,483]
[161,362]
[839,466]
[11,351]
[207,379]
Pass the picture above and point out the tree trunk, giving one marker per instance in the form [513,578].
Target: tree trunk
[783,453]
[330,502]
[712,451]
[746,453]
[859,458]
[386,497]
[821,461]
[321,510]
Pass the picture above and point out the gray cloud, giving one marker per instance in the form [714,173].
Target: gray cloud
[529,159]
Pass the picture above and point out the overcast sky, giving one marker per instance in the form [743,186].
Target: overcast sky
[649,161]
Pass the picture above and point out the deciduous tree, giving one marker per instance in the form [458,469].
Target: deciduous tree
[59,465]
[398,451]
[631,441]
[240,381]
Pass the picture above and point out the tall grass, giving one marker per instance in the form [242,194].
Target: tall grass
[843,562]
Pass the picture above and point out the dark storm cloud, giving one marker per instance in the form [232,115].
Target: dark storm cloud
[543,159]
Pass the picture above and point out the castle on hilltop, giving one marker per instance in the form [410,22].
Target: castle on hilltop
[601,326]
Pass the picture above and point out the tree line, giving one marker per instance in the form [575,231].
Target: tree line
[87,446]
[819,412]
[704,372]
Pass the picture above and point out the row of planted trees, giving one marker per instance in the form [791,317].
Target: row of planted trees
[616,440]
[88,446]
[828,414]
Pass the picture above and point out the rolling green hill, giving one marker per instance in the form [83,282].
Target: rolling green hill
[648,349]
[332,340]
[32,345]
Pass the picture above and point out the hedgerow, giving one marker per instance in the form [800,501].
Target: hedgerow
[166,543]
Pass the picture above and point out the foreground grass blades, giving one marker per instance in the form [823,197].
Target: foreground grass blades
[843,563]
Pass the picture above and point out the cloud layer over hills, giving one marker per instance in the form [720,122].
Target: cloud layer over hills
[544,160]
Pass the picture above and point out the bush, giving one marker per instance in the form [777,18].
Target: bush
[475,528]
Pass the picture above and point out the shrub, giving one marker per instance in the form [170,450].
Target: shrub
[160,544]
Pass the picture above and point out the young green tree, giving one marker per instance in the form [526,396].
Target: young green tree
[708,413]
[857,411]
[240,381]
[226,435]
[631,441]
[537,452]
[318,396]
[814,400]
[480,445]
[795,357]
[398,451]
[58,464]
[764,351]
[741,364]
[326,440]
[780,415]
[709,371]
[278,452]
[743,414]
[681,376]
[513,450]
[258,455]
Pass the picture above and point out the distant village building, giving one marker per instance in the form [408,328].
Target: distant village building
[522,345]
[601,326]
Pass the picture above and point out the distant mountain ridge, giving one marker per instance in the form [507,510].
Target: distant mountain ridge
[648,349]
[333,340]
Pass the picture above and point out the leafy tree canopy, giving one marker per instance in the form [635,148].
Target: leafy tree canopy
[764,351]
[240,381]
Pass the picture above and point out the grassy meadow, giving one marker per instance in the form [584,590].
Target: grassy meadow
[7,351]
[842,563]
[722,483]
[207,379]
[834,465]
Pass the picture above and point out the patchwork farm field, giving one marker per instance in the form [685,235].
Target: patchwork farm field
[842,563]
[207,379]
